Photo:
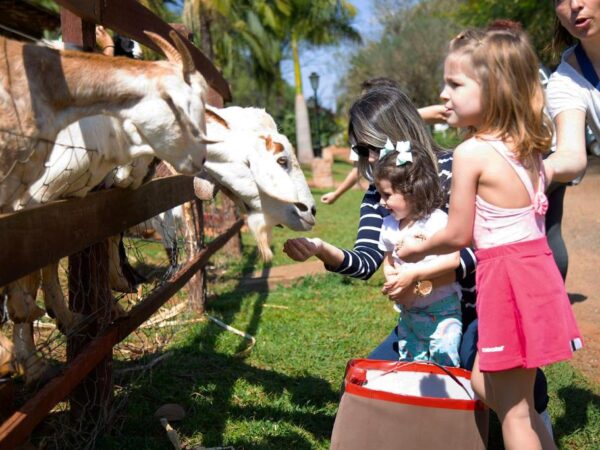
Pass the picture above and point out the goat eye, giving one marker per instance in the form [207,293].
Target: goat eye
[283,162]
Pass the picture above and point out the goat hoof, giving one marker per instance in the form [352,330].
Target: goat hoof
[204,189]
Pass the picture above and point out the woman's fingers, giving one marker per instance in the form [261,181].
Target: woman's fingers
[299,249]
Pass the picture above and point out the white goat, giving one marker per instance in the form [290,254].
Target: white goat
[262,174]
[257,167]
[160,104]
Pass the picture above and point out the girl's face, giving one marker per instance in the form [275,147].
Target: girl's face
[461,94]
[581,18]
[397,203]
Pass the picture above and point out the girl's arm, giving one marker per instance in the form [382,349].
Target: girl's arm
[570,158]
[350,180]
[442,267]
[389,269]
[433,114]
[467,167]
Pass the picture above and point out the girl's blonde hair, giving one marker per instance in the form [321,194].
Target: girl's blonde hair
[504,63]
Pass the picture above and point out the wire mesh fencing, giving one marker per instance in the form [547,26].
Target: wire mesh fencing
[131,266]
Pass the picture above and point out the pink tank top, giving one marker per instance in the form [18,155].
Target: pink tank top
[496,226]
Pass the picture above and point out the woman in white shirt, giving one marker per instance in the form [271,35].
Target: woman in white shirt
[573,90]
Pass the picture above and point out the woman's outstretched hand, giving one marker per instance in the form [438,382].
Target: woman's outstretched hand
[300,249]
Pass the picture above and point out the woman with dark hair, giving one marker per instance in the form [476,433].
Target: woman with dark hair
[380,114]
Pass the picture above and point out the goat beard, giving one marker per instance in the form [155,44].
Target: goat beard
[262,234]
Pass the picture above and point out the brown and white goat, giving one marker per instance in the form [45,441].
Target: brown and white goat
[160,105]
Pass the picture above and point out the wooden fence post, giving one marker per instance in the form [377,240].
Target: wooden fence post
[89,290]
[90,295]
[193,215]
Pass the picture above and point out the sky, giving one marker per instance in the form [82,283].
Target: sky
[330,63]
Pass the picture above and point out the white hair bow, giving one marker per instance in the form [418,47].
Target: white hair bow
[403,149]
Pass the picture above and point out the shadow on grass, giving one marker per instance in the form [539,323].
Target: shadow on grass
[578,403]
[204,382]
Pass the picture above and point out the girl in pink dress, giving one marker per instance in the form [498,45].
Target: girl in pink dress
[498,203]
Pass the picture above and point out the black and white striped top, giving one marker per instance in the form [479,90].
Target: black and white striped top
[366,257]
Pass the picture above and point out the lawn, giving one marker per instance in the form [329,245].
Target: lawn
[283,394]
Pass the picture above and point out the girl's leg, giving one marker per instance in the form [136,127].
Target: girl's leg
[445,341]
[512,391]
[481,386]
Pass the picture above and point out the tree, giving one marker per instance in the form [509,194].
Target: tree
[239,36]
[410,51]
[318,23]
[536,17]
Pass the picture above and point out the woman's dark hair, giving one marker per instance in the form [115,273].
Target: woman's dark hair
[417,181]
[386,113]
[560,39]
[377,82]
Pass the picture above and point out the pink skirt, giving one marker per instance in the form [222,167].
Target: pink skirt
[525,317]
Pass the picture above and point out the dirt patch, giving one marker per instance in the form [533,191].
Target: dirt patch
[581,231]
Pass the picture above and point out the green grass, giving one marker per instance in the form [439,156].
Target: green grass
[284,393]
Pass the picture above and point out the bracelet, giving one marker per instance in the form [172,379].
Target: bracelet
[423,288]
[108,46]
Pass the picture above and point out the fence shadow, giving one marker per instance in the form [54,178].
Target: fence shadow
[200,378]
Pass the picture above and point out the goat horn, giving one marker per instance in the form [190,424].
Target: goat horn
[187,61]
[168,50]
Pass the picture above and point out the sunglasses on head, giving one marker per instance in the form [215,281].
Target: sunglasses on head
[364,149]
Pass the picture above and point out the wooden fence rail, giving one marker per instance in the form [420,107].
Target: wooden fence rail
[17,428]
[38,236]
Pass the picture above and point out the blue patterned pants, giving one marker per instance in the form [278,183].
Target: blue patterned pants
[431,332]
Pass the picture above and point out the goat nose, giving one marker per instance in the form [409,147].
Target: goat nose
[301,206]
[313,210]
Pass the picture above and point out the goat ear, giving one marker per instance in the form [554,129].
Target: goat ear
[270,177]
[138,145]
[214,118]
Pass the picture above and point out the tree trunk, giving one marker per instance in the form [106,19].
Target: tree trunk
[303,139]
[197,16]
[206,44]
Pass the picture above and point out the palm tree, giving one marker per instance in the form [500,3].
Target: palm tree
[318,23]
[238,35]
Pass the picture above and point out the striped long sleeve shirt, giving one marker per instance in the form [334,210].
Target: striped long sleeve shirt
[366,257]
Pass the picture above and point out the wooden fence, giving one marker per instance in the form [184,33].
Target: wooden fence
[79,228]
